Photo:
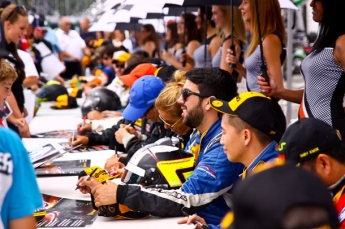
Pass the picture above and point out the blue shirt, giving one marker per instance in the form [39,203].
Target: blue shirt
[19,195]
[52,39]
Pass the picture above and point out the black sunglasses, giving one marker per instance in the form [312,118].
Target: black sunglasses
[120,65]
[185,93]
[19,10]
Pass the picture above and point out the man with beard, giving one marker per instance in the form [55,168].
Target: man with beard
[207,190]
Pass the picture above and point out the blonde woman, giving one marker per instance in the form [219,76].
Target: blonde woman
[169,109]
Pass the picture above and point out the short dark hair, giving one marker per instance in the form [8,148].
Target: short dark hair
[214,82]
[108,50]
[239,125]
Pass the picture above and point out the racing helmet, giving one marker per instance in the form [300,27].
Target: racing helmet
[100,99]
[51,91]
[160,166]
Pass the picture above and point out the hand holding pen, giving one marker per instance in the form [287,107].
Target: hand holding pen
[195,219]
[81,126]
[87,178]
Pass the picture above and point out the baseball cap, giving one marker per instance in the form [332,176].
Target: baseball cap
[143,95]
[165,72]
[263,199]
[121,56]
[307,138]
[255,109]
[139,71]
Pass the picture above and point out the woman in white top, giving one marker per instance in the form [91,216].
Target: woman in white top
[119,38]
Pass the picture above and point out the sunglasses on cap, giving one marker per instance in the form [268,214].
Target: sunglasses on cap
[168,124]
[20,8]
[185,93]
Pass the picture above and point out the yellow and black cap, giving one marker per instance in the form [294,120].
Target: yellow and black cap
[257,110]
[65,102]
[307,138]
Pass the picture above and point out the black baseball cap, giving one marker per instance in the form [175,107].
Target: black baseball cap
[263,199]
[165,72]
[307,138]
[257,110]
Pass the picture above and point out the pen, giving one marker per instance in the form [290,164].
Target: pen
[196,222]
[87,177]
[82,124]
[72,138]
[131,123]
[115,148]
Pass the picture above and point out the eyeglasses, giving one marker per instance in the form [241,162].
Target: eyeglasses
[185,93]
[168,124]
[19,10]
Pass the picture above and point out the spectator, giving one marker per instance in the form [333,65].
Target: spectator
[74,48]
[84,29]
[13,18]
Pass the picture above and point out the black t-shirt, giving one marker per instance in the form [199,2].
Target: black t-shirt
[17,87]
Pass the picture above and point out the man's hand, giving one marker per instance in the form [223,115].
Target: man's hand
[112,164]
[24,130]
[104,194]
[120,133]
[107,114]
[86,186]
[78,140]
[189,220]
[84,127]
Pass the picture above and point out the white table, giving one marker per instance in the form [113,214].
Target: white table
[64,187]
[45,109]
[47,123]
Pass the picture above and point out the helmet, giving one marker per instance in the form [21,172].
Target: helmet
[100,99]
[51,92]
[161,166]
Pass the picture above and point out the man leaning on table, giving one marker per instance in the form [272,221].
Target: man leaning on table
[207,189]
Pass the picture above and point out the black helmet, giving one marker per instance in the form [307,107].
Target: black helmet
[163,166]
[100,99]
[51,92]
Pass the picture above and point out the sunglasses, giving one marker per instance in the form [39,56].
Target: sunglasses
[19,10]
[168,124]
[120,65]
[185,93]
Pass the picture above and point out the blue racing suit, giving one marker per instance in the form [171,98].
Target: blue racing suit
[206,191]
[266,155]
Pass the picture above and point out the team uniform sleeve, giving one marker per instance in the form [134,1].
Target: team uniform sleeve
[209,180]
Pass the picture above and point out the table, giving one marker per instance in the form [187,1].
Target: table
[64,187]
[45,109]
[47,123]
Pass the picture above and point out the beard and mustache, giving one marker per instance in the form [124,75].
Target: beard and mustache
[193,117]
